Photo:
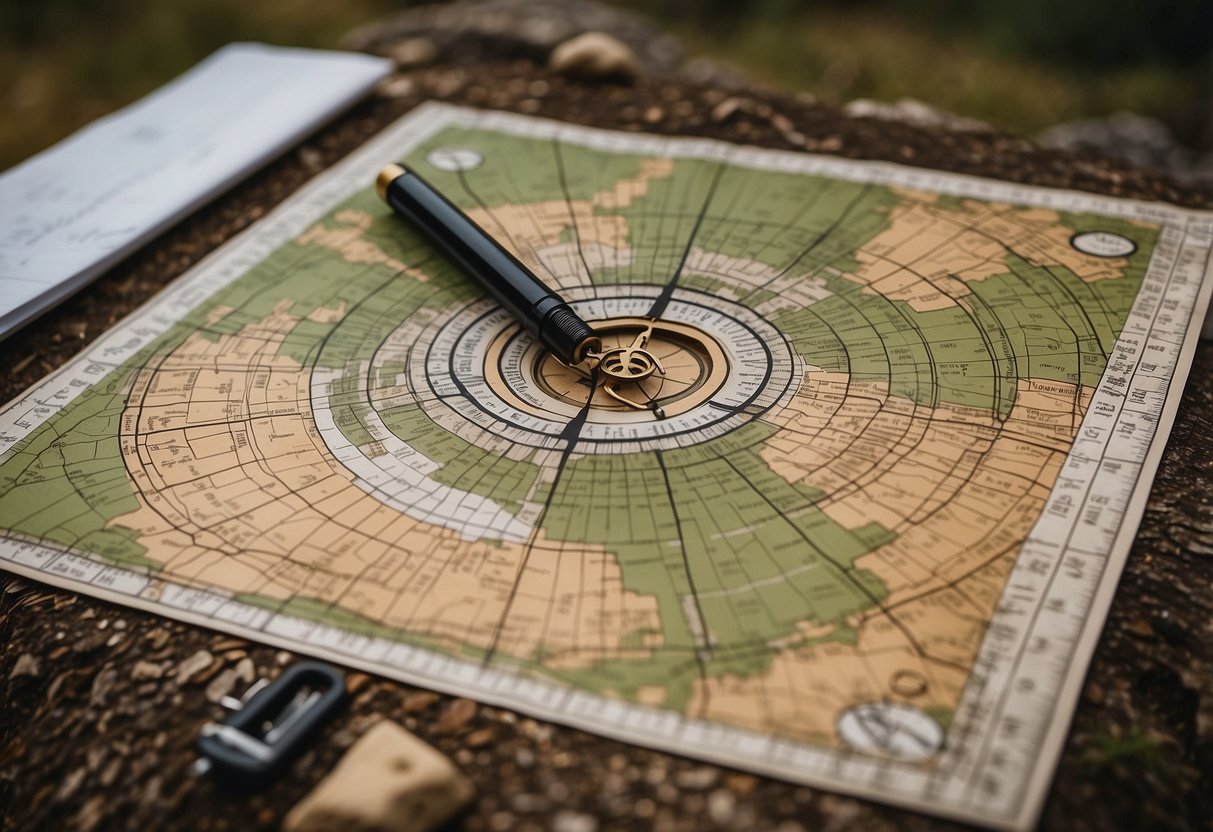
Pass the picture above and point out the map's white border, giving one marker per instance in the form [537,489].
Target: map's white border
[1010,727]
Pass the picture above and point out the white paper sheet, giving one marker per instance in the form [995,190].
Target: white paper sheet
[74,210]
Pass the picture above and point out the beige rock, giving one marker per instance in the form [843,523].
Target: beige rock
[595,55]
[389,781]
[414,52]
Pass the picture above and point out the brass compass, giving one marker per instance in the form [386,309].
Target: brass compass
[664,367]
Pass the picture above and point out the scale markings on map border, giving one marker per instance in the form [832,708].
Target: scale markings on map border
[1008,731]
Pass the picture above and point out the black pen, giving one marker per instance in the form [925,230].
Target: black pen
[541,311]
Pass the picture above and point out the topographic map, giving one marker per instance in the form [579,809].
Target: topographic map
[908,422]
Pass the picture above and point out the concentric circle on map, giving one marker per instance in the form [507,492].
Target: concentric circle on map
[474,369]
[455,159]
[891,729]
[1103,244]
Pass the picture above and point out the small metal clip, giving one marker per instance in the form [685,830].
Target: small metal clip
[270,724]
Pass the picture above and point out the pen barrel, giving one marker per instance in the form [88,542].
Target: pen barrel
[541,311]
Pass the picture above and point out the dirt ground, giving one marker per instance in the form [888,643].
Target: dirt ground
[101,707]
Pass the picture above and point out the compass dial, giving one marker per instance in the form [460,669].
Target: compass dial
[684,368]
[721,365]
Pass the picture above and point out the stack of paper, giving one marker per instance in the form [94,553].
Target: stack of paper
[76,209]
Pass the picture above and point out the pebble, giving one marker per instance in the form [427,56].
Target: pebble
[158,637]
[698,779]
[91,813]
[103,683]
[596,56]
[145,670]
[221,685]
[389,781]
[109,774]
[528,804]
[414,52]
[193,665]
[566,821]
[456,717]
[246,671]
[355,682]
[70,784]
[396,86]
[721,805]
[479,739]
[418,702]
[27,665]
[742,785]
[840,813]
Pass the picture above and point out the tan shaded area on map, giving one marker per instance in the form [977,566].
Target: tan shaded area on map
[928,253]
[962,493]
[537,233]
[238,493]
[348,239]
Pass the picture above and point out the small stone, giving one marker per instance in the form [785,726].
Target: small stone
[109,774]
[479,739]
[225,644]
[528,804]
[741,785]
[194,664]
[595,55]
[456,717]
[70,784]
[840,813]
[103,683]
[246,671]
[725,109]
[91,813]
[721,805]
[1140,627]
[697,779]
[27,665]
[524,757]
[145,670]
[388,781]
[654,114]
[1093,693]
[414,52]
[566,821]
[415,703]
[158,637]
[355,682]
[221,685]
